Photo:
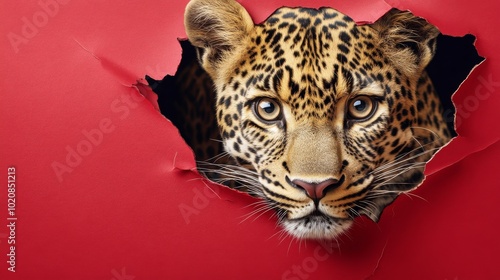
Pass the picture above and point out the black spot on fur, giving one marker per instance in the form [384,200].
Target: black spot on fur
[326,15]
[311,12]
[285,165]
[341,58]
[343,48]
[290,15]
[304,22]
[272,20]
[346,38]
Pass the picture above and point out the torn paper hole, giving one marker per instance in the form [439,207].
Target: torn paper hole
[189,100]
[454,60]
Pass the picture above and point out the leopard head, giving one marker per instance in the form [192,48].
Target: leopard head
[332,119]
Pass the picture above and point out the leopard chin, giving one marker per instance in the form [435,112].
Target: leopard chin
[316,226]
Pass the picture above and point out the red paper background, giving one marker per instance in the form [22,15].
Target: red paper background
[72,71]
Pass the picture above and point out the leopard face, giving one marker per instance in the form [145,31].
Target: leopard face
[332,119]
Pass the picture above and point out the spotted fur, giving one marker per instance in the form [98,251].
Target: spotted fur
[290,93]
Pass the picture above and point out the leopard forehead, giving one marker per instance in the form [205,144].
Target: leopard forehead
[308,58]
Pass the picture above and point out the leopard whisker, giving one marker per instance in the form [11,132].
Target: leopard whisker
[229,170]
[380,193]
[214,158]
[232,177]
[369,205]
[412,195]
[281,232]
[418,142]
[254,212]
[216,140]
[382,174]
[392,177]
[231,167]
[399,160]
[257,204]
[391,174]
[429,130]
[396,171]
[262,209]
[245,178]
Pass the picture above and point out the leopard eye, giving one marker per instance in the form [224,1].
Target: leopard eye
[361,108]
[267,109]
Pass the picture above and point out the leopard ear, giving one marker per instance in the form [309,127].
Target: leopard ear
[408,41]
[216,27]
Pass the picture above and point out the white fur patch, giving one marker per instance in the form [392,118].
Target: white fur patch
[316,227]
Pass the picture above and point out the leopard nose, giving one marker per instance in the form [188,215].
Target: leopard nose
[316,191]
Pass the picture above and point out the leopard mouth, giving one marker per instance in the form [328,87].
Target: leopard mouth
[316,225]
[311,220]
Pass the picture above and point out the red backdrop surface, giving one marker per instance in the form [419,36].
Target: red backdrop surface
[106,188]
